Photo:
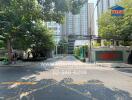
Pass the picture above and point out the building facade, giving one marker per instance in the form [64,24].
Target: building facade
[91,19]
[56,28]
[79,25]
[76,24]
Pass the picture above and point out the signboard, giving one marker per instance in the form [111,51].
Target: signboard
[109,56]
[117,11]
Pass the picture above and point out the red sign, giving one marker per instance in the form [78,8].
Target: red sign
[117,11]
[107,56]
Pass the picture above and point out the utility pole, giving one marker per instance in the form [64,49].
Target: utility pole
[90,31]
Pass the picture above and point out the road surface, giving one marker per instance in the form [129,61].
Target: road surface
[65,79]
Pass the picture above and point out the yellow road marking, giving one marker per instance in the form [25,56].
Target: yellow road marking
[31,91]
[82,82]
[19,83]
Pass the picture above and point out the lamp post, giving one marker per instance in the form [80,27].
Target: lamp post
[90,32]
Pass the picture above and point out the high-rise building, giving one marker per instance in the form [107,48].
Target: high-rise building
[79,25]
[84,20]
[104,5]
[91,23]
[76,24]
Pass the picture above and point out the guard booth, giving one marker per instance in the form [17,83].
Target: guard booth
[110,54]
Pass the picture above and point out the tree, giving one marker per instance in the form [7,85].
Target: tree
[117,27]
[16,20]
[54,10]
[22,22]
[1,44]
[63,46]
[18,25]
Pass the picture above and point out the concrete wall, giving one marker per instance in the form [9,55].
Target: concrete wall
[125,51]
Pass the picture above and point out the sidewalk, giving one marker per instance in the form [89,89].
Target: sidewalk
[19,64]
[114,65]
[25,63]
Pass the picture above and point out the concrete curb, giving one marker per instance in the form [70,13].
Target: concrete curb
[19,64]
[15,65]
[114,65]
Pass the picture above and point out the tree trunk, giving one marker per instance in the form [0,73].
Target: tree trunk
[9,50]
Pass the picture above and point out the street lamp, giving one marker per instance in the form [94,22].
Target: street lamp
[90,35]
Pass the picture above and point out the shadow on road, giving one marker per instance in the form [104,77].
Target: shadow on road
[66,89]
[127,70]
[15,73]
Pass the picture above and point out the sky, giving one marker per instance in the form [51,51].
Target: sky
[92,1]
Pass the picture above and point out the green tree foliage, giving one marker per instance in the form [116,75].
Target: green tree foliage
[63,46]
[117,27]
[54,10]
[22,21]
[22,25]
[77,52]
[81,52]
[16,20]
[18,17]
[1,44]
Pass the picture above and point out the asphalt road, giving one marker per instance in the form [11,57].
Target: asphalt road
[65,79]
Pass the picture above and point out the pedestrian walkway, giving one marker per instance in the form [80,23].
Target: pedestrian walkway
[18,64]
[25,63]
[114,65]
[66,62]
